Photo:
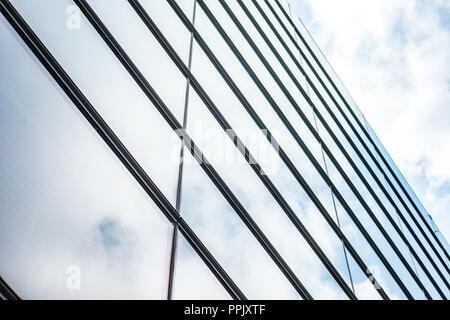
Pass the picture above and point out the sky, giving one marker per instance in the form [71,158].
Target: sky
[394,59]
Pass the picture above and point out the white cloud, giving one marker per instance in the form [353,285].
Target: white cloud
[394,58]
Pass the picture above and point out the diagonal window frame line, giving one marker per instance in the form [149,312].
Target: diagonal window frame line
[327,172]
[195,151]
[172,258]
[206,99]
[116,146]
[348,209]
[349,183]
[386,193]
[180,168]
[6,292]
[238,143]
[368,136]
[400,224]
[404,261]
[261,125]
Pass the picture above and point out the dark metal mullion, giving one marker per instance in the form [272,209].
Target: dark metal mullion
[370,139]
[237,142]
[340,198]
[351,162]
[400,224]
[369,168]
[386,213]
[173,251]
[374,144]
[203,252]
[261,125]
[293,170]
[281,201]
[328,174]
[180,169]
[204,163]
[6,292]
[293,102]
[108,136]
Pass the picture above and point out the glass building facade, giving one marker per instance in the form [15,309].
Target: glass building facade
[193,149]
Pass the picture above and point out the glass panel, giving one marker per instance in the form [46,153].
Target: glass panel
[110,89]
[285,182]
[253,194]
[373,263]
[281,16]
[328,102]
[187,6]
[375,234]
[228,239]
[413,197]
[285,5]
[317,84]
[353,137]
[145,51]
[364,289]
[369,178]
[316,101]
[361,166]
[74,224]
[331,73]
[243,124]
[251,57]
[169,24]
[417,250]
[256,11]
[192,278]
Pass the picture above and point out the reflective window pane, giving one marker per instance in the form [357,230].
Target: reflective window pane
[144,49]
[193,280]
[254,196]
[224,233]
[74,224]
[109,87]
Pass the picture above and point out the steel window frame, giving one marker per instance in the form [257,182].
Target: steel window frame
[369,168]
[195,151]
[238,143]
[6,292]
[91,115]
[108,136]
[261,125]
[341,171]
[348,209]
[368,136]
[180,169]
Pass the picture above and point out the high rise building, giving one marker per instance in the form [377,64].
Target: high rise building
[192,149]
